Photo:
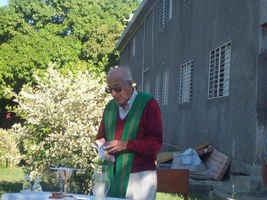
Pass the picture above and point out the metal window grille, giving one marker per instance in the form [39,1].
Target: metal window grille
[186,82]
[157,88]
[219,71]
[165,12]
[161,13]
[165,88]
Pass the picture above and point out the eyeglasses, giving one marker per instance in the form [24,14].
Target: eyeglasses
[116,89]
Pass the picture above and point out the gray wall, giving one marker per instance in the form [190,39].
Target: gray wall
[197,27]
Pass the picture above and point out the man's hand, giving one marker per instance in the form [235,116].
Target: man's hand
[116,146]
[100,141]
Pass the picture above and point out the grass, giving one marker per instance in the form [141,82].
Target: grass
[165,196]
[11,181]
[11,175]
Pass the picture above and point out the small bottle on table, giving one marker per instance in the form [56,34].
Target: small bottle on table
[26,187]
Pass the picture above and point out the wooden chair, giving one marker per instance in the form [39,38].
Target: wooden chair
[173,181]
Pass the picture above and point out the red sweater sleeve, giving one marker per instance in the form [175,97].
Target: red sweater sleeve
[149,138]
[101,129]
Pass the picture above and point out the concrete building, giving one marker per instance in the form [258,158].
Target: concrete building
[206,64]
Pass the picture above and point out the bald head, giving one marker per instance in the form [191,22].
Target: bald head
[121,74]
[119,81]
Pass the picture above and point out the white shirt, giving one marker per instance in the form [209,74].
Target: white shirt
[124,111]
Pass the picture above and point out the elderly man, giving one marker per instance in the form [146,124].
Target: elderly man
[132,126]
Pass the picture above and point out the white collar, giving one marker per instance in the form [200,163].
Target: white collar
[124,111]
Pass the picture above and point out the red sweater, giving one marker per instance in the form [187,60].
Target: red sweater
[148,139]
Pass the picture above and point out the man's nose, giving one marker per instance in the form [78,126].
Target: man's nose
[113,93]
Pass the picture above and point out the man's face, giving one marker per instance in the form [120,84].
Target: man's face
[120,90]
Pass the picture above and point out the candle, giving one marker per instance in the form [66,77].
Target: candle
[99,191]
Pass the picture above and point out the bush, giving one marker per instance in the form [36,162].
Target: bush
[61,114]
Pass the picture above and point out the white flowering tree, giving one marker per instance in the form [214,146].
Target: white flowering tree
[62,115]
[9,154]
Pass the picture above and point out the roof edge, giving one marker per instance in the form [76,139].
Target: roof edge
[138,15]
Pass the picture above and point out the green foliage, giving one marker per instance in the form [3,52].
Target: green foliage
[76,35]
[31,52]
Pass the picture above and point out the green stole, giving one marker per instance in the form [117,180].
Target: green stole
[119,180]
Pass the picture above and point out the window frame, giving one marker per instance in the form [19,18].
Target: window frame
[217,70]
[165,12]
[185,78]
[157,94]
[170,9]
[165,88]
[134,46]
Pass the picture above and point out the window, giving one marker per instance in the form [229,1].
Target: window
[147,87]
[157,88]
[186,83]
[133,47]
[165,12]
[219,71]
[129,51]
[170,9]
[165,88]
[263,39]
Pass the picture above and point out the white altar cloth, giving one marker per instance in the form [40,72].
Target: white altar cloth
[46,195]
